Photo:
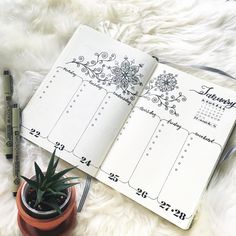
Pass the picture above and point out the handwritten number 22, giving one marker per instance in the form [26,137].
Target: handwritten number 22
[34,132]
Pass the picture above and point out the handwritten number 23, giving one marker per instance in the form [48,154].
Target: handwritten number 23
[59,146]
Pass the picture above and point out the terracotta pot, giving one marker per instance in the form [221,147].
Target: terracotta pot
[33,226]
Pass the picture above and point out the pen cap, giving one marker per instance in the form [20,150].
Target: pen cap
[15,116]
[7,83]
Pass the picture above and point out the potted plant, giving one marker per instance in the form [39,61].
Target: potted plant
[46,202]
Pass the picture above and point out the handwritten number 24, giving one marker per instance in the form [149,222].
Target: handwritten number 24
[85,161]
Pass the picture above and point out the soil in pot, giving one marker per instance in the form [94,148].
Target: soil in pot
[42,210]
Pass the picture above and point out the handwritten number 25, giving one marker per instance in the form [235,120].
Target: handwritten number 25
[113,177]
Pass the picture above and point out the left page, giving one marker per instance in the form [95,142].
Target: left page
[85,99]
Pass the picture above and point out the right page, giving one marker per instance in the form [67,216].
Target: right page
[168,148]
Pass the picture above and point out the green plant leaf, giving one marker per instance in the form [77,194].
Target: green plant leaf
[39,173]
[55,165]
[61,173]
[49,171]
[39,198]
[62,187]
[54,193]
[31,182]
[50,185]
[53,205]
[62,180]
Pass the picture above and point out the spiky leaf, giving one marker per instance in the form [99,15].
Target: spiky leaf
[59,181]
[39,173]
[32,183]
[51,164]
[39,198]
[51,192]
[50,185]
[62,187]
[61,173]
[53,205]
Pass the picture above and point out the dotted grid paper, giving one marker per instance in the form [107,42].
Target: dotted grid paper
[168,147]
[105,111]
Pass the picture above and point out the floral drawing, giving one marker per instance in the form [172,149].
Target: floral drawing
[125,75]
[94,68]
[166,82]
[158,91]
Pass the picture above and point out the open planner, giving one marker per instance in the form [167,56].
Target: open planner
[152,132]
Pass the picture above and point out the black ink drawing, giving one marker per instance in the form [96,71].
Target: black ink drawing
[124,76]
[94,68]
[161,89]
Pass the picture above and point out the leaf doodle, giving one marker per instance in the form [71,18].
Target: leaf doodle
[124,76]
[157,91]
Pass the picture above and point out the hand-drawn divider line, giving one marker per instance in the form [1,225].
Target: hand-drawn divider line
[89,123]
[83,81]
[187,217]
[46,137]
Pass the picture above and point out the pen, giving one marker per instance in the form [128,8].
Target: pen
[16,142]
[8,89]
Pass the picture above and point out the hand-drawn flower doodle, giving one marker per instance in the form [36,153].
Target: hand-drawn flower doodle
[125,75]
[166,82]
[157,91]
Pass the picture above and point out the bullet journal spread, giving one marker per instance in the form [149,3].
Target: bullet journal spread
[152,132]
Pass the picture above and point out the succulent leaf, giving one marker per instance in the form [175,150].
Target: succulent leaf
[39,198]
[33,184]
[39,173]
[50,184]
[59,181]
[49,171]
[53,205]
[52,192]
[62,187]
[61,173]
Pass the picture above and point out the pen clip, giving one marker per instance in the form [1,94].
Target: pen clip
[11,84]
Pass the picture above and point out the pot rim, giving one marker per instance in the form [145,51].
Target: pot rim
[37,212]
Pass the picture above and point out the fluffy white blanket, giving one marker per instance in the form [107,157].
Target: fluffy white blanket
[33,33]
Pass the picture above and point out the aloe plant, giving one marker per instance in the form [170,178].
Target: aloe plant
[50,185]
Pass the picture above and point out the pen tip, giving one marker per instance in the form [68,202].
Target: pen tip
[6,72]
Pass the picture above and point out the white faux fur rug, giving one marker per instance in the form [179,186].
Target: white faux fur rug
[33,33]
